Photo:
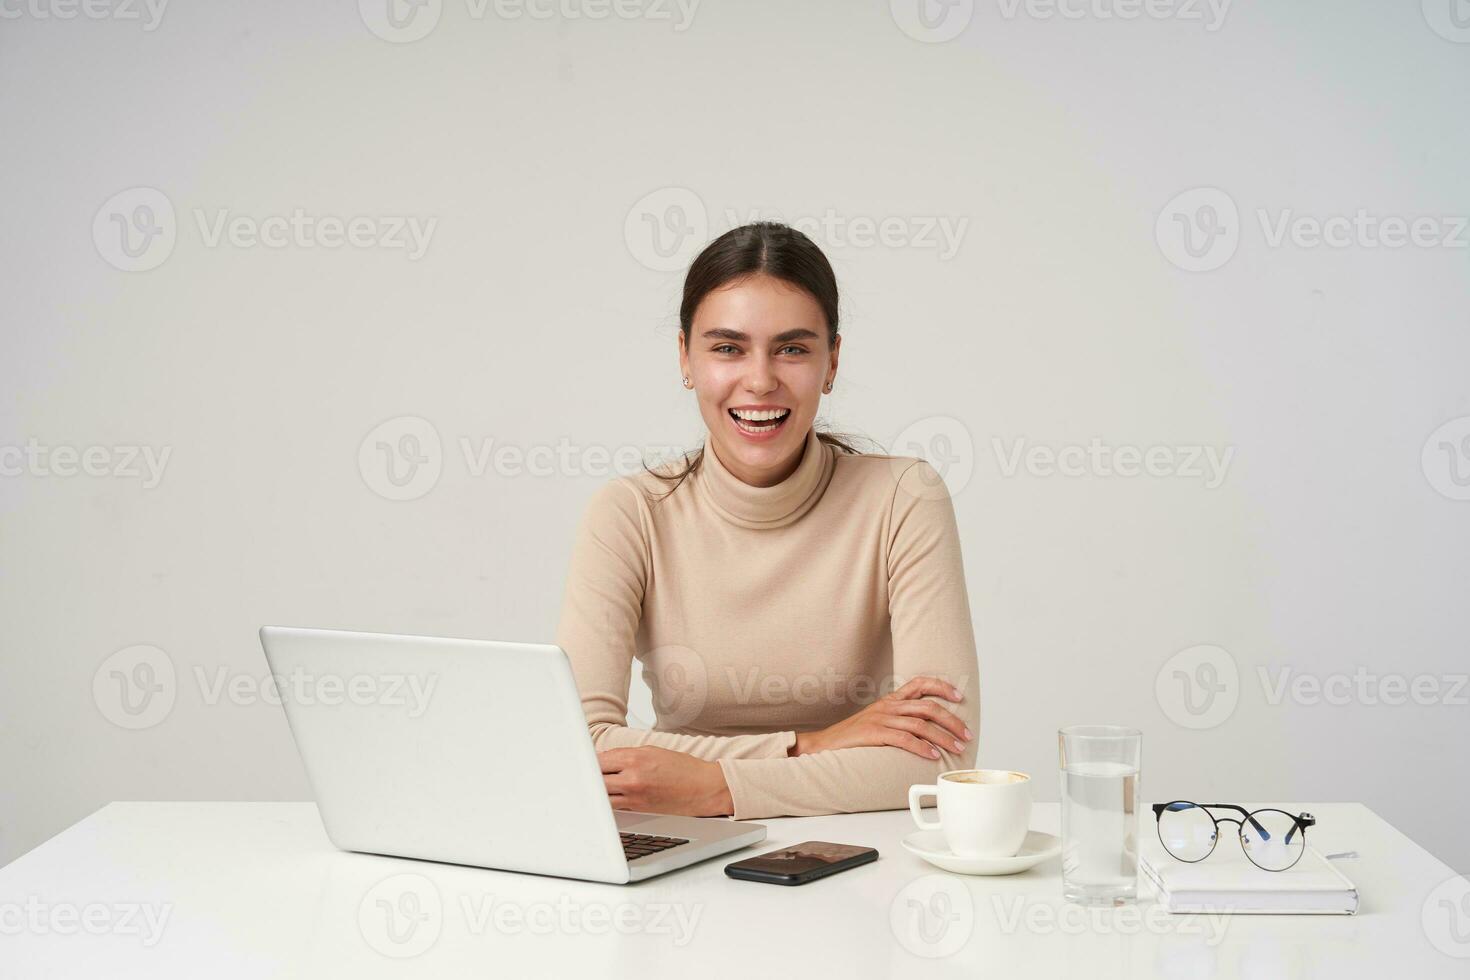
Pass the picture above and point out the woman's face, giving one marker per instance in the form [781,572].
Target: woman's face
[759,345]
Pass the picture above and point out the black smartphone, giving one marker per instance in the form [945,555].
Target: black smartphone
[801,863]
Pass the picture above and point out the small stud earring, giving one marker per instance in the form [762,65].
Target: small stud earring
[687,384]
[828,387]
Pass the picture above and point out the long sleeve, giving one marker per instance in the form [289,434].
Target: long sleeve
[601,609]
[933,635]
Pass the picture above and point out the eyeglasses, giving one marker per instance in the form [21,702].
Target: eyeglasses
[1273,840]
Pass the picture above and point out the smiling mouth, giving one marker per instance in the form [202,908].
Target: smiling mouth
[760,423]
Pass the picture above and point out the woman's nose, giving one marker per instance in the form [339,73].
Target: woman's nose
[760,377]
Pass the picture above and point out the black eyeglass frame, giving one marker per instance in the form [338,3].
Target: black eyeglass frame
[1300,822]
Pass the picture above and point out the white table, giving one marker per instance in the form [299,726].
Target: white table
[255,889]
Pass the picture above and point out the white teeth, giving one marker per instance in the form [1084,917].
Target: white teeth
[761,416]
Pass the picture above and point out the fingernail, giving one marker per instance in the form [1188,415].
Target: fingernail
[958,747]
[968,734]
[933,753]
[956,692]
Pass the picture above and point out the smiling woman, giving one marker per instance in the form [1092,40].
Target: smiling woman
[799,607]
[766,303]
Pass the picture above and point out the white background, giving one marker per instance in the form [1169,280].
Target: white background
[539,313]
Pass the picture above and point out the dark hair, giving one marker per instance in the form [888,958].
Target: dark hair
[762,248]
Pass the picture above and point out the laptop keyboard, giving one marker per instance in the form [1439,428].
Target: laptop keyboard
[642,845]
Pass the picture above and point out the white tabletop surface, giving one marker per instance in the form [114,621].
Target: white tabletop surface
[255,889]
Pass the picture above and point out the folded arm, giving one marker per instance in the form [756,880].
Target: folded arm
[601,611]
[932,635]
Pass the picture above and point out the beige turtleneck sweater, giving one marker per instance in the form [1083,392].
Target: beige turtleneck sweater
[759,612]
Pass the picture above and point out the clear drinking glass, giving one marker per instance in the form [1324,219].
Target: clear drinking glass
[1100,799]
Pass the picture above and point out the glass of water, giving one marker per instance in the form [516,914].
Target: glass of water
[1099,770]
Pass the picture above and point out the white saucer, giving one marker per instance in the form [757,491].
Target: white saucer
[930,845]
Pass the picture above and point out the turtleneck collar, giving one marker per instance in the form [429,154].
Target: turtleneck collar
[766,507]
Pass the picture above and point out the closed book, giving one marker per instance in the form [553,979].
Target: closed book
[1227,881]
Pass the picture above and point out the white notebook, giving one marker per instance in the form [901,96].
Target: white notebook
[1226,881]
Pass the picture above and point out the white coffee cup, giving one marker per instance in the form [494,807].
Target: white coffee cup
[984,813]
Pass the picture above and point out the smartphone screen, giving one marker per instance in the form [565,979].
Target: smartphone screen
[802,862]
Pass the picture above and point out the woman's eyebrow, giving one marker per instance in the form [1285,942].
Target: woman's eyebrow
[725,333]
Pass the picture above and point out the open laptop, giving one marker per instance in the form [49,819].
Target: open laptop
[469,752]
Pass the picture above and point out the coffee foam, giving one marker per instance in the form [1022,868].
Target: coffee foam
[986,777]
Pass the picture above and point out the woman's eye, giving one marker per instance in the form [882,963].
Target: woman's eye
[732,349]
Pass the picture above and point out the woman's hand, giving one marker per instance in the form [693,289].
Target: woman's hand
[659,780]
[900,719]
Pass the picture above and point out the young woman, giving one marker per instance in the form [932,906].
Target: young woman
[799,608]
